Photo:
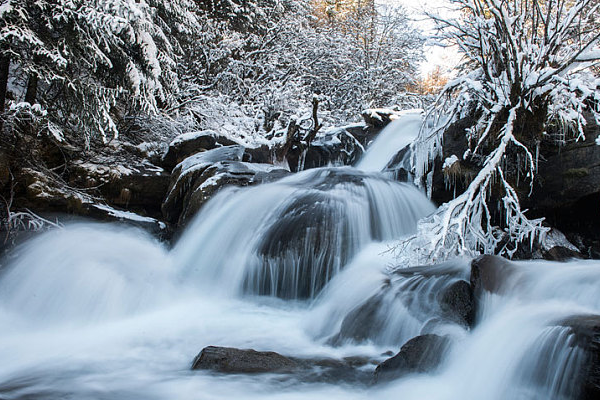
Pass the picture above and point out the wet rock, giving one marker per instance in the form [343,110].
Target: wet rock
[560,253]
[490,273]
[462,172]
[400,167]
[586,335]
[334,147]
[458,304]
[231,360]
[364,133]
[197,178]
[355,370]
[299,253]
[420,354]
[361,323]
[190,143]
[106,213]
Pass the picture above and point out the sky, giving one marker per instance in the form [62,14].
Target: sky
[446,58]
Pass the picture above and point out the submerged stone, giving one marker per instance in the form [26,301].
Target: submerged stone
[420,354]
[232,360]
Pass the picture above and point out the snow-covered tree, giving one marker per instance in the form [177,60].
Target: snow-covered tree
[527,77]
[78,58]
[272,67]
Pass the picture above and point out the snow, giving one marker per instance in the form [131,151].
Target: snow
[190,136]
[128,215]
[450,161]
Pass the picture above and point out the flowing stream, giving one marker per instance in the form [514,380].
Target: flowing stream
[100,311]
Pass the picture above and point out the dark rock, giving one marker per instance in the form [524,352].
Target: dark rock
[560,253]
[586,335]
[102,212]
[400,167]
[231,360]
[135,185]
[190,143]
[353,370]
[301,252]
[334,147]
[490,273]
[420,354]
[568,173]
[362,322]
[462,172]
[260,155]
[433,295]
[458,303]
[228,173]
[378,117]
[197,178]
[363,133]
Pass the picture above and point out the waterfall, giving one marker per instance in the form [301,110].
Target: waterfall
[290,237]
[399,134]
[305,267]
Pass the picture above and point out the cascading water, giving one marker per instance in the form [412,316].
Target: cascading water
[290,237]
[394,137]
[96,311]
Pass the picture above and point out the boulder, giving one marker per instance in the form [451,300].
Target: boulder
[458,304]
[364,133]
[490,273]
[361,323]
[197,178]
[190,143]
[400,167]
[132,184]
[231,360]
[236,361]
[585,334]
[420,354]
[44,193]
[432,295]
[334,147]
[379,117]
[107,213]
[568,173]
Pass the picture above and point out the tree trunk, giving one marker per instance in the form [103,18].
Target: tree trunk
[32,86]
[290,138]
[4,68]
[316,125]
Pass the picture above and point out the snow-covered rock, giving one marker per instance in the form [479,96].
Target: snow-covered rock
[333,147]
[197,178]
[135,184]
[190,143]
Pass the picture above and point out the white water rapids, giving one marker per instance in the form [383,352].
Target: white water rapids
[98,311]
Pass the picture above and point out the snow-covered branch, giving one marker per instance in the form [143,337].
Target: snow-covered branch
[526,78]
